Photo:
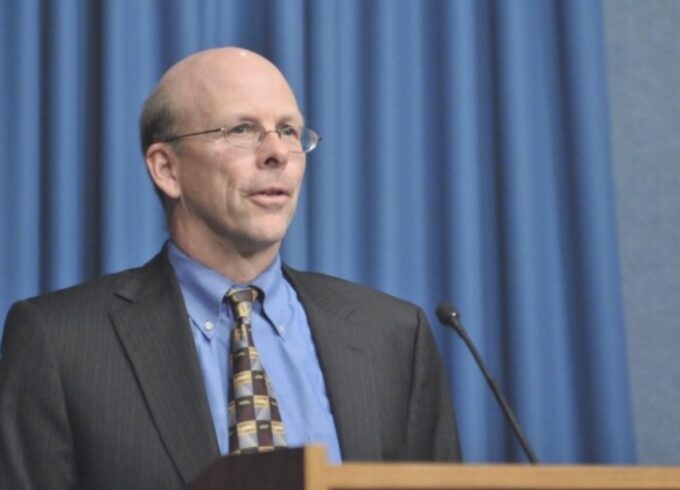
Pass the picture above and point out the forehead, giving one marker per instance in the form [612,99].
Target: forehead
[248,101]
[229,88]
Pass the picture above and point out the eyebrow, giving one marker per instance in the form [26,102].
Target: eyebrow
[286,118]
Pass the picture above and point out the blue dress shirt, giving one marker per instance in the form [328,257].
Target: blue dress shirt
[284,343]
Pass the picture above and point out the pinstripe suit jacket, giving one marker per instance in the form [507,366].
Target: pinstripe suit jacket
[100,386]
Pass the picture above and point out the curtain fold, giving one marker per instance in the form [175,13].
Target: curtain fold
[465,157]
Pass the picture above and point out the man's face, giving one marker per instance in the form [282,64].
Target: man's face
[240,198]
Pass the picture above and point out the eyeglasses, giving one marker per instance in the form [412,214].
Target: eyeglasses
[249,136]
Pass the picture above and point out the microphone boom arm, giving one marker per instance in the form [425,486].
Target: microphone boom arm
[449,317]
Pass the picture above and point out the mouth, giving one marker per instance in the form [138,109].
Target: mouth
[270,197]
[273,191]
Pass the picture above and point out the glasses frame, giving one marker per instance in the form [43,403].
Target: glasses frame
[315,136]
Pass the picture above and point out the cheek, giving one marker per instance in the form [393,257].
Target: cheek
[229,195]
[210,194]
[298,175]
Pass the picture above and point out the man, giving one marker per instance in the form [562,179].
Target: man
[123,382]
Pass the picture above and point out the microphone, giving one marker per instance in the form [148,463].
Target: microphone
[449,317]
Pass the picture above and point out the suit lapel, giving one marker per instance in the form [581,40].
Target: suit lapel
[341,343]
[153,328]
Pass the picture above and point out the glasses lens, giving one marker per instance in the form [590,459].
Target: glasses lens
[308,140]
[292,137]
[299,140]
[248,136]
[244,135]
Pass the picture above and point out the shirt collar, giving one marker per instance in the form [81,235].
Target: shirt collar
[204,288]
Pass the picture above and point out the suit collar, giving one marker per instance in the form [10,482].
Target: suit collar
[341,338]
[152,325]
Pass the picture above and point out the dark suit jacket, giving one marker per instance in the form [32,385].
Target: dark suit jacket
[100,386]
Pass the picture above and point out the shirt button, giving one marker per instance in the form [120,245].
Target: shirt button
[282,328]
[208,325]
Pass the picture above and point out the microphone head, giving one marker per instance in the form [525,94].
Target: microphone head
[447,313]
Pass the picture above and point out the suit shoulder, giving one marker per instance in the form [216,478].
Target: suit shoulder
[96,293]
[95,287]
[352,292]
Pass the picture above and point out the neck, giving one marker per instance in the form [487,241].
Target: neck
[239,265]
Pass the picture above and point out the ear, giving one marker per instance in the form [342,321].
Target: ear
[161,162]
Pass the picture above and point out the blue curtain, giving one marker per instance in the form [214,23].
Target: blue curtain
[465,157]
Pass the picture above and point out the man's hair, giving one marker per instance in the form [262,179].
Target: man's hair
[157,121]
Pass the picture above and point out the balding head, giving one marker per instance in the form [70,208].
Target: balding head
[186,95]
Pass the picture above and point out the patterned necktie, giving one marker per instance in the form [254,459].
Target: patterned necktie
[254,419]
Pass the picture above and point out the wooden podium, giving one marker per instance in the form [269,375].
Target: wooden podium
[306,469]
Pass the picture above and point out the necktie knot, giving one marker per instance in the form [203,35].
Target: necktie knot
[241,301]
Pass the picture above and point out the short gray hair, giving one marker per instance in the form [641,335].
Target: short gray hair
[157,122]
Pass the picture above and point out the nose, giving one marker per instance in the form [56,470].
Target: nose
[273,153]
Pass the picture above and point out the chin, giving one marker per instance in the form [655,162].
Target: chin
[264,239]
[272,230]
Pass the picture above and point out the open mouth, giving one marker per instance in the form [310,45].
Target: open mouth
[273,192]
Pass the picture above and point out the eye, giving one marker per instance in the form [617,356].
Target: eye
[244,128]
[289,132]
